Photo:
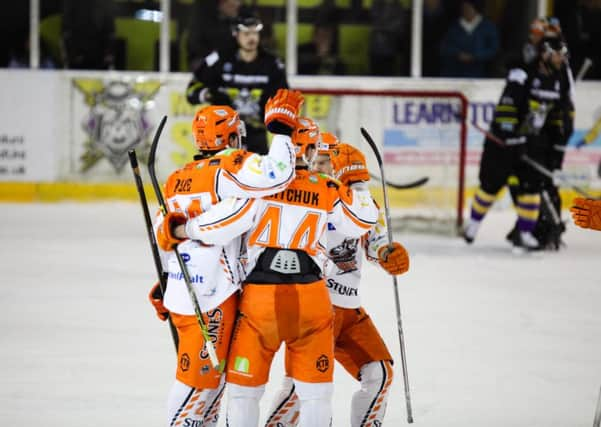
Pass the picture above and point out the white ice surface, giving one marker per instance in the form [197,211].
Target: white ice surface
[492,339]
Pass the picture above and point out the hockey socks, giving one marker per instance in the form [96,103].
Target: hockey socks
[243,405]
[285,410]
[190,406]
[368,406]
[480,205]
[528,208]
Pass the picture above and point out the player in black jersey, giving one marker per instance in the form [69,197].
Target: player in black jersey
[528,121]
[549,226]
[244,79]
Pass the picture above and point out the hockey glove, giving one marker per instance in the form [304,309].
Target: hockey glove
[156,299]
[587,213]
[281,111]
[348,164]
[394,258]
[165,237]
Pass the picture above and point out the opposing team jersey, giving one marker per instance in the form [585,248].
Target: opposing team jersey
[343,275]
[196,188]
[530,103]
[295,218]
[245,86]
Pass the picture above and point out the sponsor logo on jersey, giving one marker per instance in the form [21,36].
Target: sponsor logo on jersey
[213,328]
[341,289]
[116,121]
[184,362]
[242,364]
[323,363]
[180,276]
[331,227]
[185,256]
[189,422]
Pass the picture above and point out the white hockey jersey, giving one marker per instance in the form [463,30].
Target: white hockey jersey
[295,218]
[197,188]
[345,253]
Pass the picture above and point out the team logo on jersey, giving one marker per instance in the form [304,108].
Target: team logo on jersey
[184,362]
[345,255]
[323,363]
[116,121]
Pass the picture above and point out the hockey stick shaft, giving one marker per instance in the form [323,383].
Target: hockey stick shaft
[133,160]
[586,64]
[546,172]
[597,420]
[405,186]
[534,164]
[182,264]
[374,148]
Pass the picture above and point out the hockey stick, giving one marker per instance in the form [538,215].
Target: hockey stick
[534,164]
[597,420]
[182,264]
[546,172]
[374,148]
[133,160]
[406,186]
[586,64]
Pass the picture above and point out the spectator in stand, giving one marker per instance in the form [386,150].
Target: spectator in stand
[582,29]
[88,34]
[470,44]
[320,56]
[434,26]
[211,29]
[388,41]
[14,30]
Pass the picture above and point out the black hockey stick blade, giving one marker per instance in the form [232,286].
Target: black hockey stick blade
[373,145]
[405,186]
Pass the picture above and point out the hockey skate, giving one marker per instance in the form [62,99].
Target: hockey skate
[470,230]
[525,241]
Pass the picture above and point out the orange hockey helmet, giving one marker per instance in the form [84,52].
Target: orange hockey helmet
[305,135]
[327,141]
[214,125]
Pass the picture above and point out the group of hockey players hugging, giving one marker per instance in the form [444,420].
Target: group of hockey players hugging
[532,123]
[273,245]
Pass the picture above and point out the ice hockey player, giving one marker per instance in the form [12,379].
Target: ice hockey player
[549,226]
[586,213]
[220,171]
[359,348]
[527,120]
[284,296]
[244,79]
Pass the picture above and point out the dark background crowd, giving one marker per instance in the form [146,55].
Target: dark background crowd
[460,38]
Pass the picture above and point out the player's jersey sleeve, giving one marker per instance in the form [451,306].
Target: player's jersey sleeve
[376,238]
[512,107]
[205,83]
[354,211]
[259,175]
[224,222]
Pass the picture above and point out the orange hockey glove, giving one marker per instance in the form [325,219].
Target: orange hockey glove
[587,213]
[394,258]
[165,238]
[281,111]
[156,299]
[348,164]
